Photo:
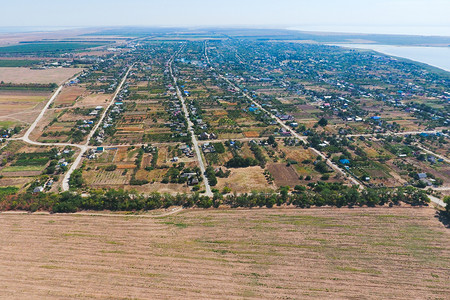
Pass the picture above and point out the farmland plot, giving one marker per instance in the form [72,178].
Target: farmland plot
[361,253]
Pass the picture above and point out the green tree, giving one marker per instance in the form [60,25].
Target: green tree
[323,122]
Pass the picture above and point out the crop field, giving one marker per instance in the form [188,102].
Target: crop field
[16,63]
[92,100]
[21,106]
[26,75]
[283,175]
[254,254]
[106,178]
[47,47]
[69,95]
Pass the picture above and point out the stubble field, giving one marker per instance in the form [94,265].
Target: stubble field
[27,75]
[377,253]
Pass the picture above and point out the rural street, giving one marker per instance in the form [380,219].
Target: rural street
[432,153]
[190,128]
[85,146]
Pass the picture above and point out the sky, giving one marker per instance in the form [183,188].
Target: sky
[408,16]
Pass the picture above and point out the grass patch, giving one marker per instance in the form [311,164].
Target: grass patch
[22,169]
[17,63]
[356,270]
[179,225]
[48,47]
[7,124]
[49,267]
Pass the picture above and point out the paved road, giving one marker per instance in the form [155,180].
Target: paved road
[85,146]
[190,128]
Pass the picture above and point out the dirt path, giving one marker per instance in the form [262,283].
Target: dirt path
[170,212]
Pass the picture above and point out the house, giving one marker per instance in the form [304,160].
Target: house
[38,189]
[285,132]
[98,107]
[193,180]
[344,161]
[188,175]
[431,159]
[204,136]
[422,175]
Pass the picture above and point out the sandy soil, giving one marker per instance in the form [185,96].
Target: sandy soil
[26,75]
[382,253]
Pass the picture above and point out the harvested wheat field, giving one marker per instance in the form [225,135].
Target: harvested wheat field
[26,75]
[361,253]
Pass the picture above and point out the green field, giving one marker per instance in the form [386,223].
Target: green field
[47,47]
[22,169]
[17,63]
[7,124]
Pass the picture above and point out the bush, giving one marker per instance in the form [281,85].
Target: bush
[111,168]
[325,177]
[240,162]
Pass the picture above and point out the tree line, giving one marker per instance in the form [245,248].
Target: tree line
[314,195]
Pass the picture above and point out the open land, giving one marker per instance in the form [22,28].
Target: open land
[26,75]
[399,253]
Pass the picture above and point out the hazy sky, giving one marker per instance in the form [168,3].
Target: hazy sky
[270,13]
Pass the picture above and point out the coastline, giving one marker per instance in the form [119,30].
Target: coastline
[420,54]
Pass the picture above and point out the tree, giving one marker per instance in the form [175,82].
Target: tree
[323,122]
[321,167]
[76,179]
[447,208]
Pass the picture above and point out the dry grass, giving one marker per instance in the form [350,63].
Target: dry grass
[93,100]
[69,95]
[251,134]
[21,106]
[26,75]
[382,253]
[245,180]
